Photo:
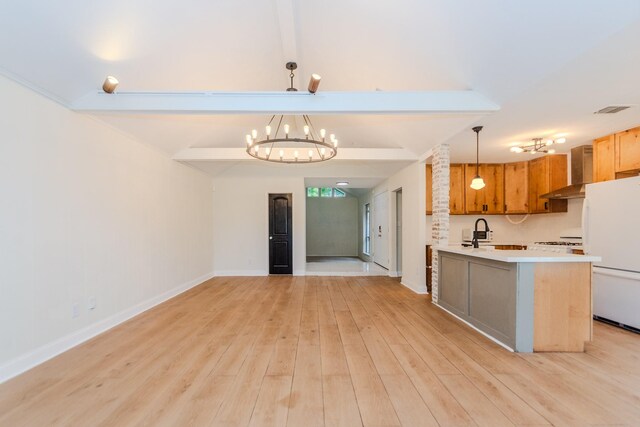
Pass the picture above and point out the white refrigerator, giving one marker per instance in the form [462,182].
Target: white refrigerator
[611,230]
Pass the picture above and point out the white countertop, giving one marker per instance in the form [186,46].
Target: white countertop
[518,256]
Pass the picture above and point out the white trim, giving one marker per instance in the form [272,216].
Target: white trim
[37,89]
[42,354]
[420,292]
[238,273]
[346,154]
[343,273]
[501,344]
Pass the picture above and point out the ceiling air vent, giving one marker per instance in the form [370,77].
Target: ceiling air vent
[612,109]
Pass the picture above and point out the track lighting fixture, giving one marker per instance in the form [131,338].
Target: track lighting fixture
[110,84]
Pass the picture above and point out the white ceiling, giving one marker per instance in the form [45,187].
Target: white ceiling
[549,64]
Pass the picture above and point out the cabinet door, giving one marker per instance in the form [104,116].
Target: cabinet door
[456,189]
[604,167]
[493,175]
[628,150]
[516,188]
[474,199]
[429,189]
[547,174]
[538,184]
[557,180]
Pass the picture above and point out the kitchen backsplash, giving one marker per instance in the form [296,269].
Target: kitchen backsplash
[535,228]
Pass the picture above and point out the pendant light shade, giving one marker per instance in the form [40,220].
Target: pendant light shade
[477,183]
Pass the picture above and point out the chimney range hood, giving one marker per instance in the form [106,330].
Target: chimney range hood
[581,174]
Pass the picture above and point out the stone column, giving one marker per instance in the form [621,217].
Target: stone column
[440,216]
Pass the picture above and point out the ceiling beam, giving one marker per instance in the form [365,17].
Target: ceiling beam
[379,102]
[235,154]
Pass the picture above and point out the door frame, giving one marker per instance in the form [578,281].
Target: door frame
[376,215]
[397,246]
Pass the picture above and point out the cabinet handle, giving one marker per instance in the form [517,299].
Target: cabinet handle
[546,206]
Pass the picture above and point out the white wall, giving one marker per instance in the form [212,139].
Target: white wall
[87,212]
[332,226]
[412,182]
[241,222]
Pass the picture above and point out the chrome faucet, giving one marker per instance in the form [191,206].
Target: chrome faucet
[474,241]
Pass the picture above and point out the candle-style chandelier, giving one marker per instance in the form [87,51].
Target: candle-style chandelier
[280,145]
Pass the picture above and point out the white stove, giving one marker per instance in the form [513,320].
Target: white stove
[559,247]
[569,240]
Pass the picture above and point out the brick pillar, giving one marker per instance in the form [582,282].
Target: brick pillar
[440,216]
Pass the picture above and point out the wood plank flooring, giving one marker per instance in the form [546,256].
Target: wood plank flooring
[320,351]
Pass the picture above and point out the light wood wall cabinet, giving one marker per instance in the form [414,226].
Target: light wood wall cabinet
[490,199]
[627,150]
[511,188]
[616,156]
[604,164]
[456,189]
[516,188]
[546,174]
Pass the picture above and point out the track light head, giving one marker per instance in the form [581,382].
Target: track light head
[110,84]
[314,82]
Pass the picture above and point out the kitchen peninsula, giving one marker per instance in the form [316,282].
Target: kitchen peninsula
[527,300]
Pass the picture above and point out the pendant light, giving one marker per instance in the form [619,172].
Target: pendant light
[477,183]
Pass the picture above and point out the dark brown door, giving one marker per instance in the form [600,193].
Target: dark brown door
[280,234]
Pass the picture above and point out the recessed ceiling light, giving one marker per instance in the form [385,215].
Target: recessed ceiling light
[342,183]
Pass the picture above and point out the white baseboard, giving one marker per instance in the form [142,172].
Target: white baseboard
[411,288]
[42,354]
[342,273]
[232,273]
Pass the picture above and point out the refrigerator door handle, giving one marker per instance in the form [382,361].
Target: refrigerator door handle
[585,226]
[617,273]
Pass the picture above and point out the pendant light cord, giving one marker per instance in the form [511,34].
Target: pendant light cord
[477,152]
[477,130]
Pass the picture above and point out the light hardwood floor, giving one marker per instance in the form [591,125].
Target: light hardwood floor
[307,351]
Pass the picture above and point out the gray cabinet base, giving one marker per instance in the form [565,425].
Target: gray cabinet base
[495,297]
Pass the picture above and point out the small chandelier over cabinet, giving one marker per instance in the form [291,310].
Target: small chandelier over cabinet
[280,145]
[538,145]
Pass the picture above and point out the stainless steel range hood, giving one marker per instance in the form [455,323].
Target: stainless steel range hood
[581,174]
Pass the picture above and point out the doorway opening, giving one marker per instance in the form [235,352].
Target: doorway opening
[339,226]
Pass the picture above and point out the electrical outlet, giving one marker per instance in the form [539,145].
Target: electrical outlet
[75,310]
[92,303]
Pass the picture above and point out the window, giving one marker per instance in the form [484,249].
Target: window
[326,192]
[367,229]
